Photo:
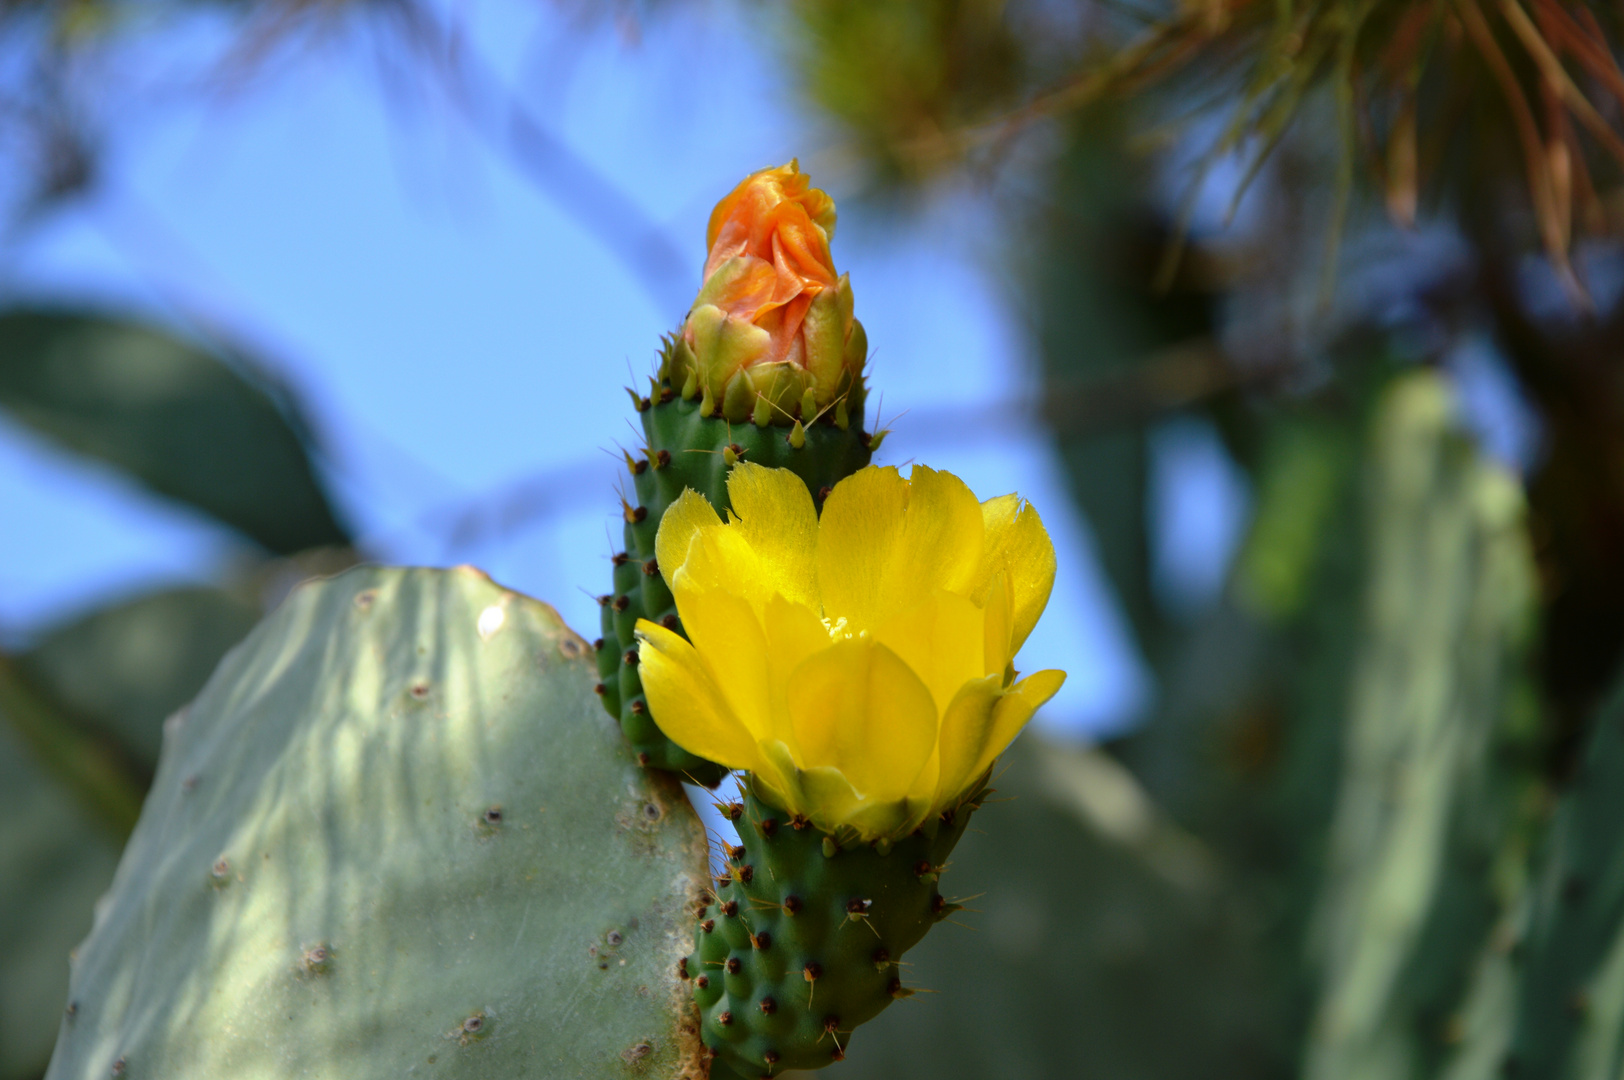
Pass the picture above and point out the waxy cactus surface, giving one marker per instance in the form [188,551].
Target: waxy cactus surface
[394,836]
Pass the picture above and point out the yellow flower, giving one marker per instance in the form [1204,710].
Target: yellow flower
[773,323]
[858,665]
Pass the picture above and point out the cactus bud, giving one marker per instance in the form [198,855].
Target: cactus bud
[771,308]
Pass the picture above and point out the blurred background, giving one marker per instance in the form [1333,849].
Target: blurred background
[1300,327]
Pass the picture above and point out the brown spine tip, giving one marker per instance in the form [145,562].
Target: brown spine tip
[669,622]
[682,968]
[762,941]
[738,451]
[637,514]
[769,826]
[947,816]
[619,558]
[652,568]
[730,908]
[792,904]
[666,395]
[823,492]
[769,1006]
[938,903]
[643,404]
[858,906]
[923,868]
[630,659]
[812,972]
[882,956]
[643,759]
[600,689]
[734,966]
[621,603]
[737,854]
[837,1054]
[770,1057]
[800,823]
[662,458]
[603,601]
[638,707]
[597,646]
[702,981]
[708,925]
[735,811]
[724,1018]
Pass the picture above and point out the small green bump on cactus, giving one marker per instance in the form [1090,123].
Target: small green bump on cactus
[842,417]
[690,386]
[797,948]
[762,415]
[797,436]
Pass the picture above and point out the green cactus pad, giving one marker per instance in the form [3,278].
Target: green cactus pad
[800,941]
[687,449]
[394,836]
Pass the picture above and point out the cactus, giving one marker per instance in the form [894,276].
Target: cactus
[767,368]
[395,834]
[1548,1001]
[1430,789]
[801,939]
[689,449]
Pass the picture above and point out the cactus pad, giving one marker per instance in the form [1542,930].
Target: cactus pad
[687,449]
[800,941]
[393,836]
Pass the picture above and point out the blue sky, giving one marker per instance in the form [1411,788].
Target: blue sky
[462,342]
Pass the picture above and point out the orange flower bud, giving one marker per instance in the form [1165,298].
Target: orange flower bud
[771,336]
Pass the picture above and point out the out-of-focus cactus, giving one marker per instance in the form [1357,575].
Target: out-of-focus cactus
[396,833]
[1435,756]
[768,368]
[1548,998]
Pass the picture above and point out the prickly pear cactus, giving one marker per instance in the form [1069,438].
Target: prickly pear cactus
[689,446]
[1437,718]
[802,939]
[395,835]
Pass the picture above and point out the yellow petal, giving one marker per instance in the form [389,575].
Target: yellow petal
[794,632]
[685,702]
[778,780]
[732,647]
[998,635]
[858,708]
[689,515]
[941,640]
[1013,709]
[967,725]
[1017,545]
[885,543]
[857,538]
[774,515]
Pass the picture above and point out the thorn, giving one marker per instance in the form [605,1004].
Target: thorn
[621,603]
[652,568]
[734,966]
[619,558]
[662,459]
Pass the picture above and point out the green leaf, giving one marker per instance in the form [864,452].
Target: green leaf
[126,667]
[55,860]
[188,423]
